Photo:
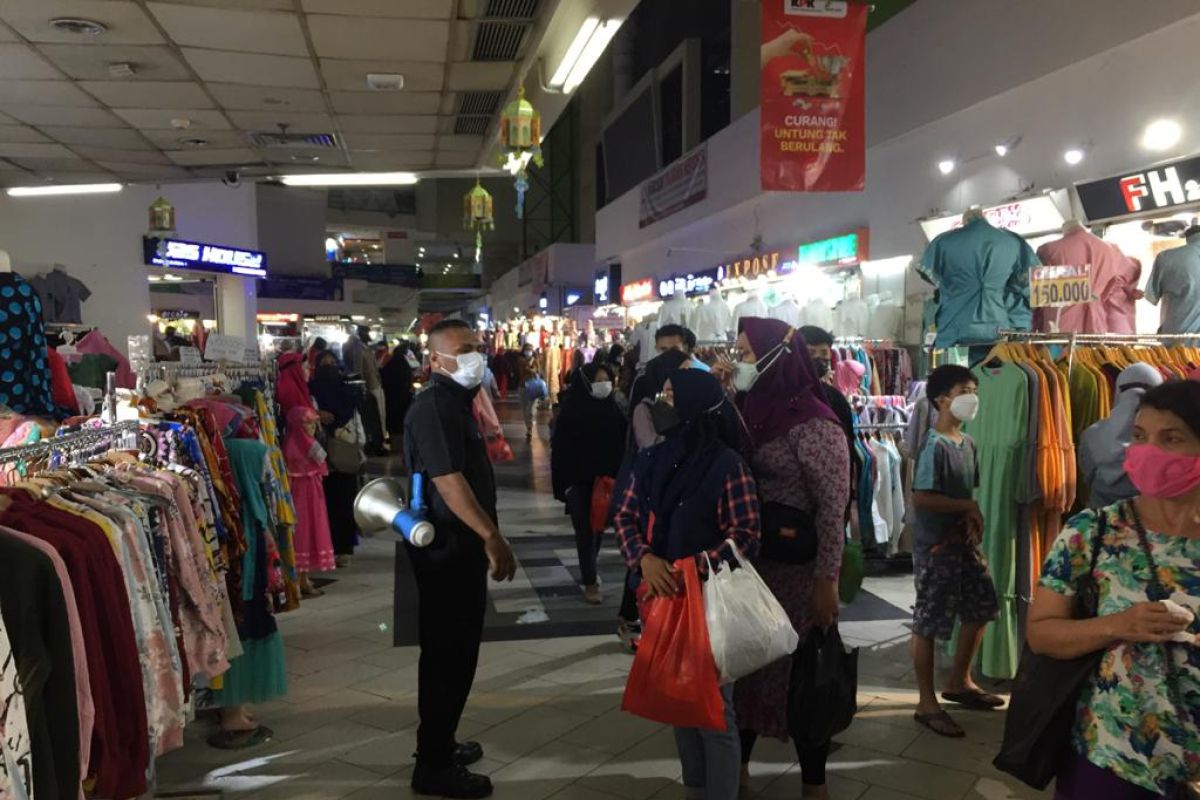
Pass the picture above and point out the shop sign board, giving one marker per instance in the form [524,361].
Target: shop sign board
[600,289]
[1166,187]
[301,288]
[752,266]
[1028,217]
[221,347]
[202,257]
[682,184]
[812,96]
[838,251]
[1060,286]
[693,284]
[277,318]
[637,292]
[177,313]
[389,274]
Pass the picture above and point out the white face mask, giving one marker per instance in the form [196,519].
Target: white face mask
[471,367]
[602,389]
[965,407]
[745,375]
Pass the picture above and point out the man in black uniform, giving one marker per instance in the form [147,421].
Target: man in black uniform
[820,349]
[442,441]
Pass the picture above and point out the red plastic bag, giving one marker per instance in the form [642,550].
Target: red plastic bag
[602,492]
[498,450]
[674,677]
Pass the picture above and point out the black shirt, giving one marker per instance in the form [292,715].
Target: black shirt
[441,438]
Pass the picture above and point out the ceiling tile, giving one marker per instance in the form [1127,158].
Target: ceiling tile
[56,164]
[136,168]
[91,63]
[173,139]
[427,9]
[373,161]
[471,144]
[271,120]
[375,37]
[242,5]
[97,137]
[385,102]
[266,98]
[467,76]
[159,173]
[256,70]
[453,160]
[390,141]
[160,118]
[19,133]
[19,150]
[351,75]
[19,61]
[65,176]
[55,115]
[126,22]
[211,156]
[325,158]
[148,94]
[6,34]
[103,154]
[42,93]
[226,29]
[387,123]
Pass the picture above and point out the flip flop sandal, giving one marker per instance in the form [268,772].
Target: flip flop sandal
[978,701]
[312,591]
[940,723]
[240,740]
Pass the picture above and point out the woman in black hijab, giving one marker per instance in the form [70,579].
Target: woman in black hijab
[588,443]
[336,404]
[397,379]
[645,389]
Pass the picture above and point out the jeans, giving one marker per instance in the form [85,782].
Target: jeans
[529,409]
[587,544]
[712,760]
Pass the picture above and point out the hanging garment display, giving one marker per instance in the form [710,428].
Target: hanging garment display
[1175,283]
[25,382]
[676,310]
[786,310]
[62,295]
[713,320]
[1114,285]
[752,306]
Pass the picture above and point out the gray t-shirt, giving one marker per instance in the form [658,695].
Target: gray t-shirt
[947,468]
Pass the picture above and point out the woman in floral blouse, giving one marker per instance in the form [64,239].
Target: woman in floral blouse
[1137,732]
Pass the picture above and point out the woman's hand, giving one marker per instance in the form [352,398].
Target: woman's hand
[824,603]
[1148,622]
[659,576]
[326,417]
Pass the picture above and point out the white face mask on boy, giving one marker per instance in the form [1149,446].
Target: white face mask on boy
[965,407]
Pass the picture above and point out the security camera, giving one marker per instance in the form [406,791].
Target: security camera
[232,178]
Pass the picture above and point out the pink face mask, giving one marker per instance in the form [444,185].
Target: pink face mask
[1158,473]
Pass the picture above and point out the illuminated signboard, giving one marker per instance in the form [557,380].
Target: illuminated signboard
[840,251]
[277,318]
[201,257]
[600,288]
[1032,216]
[637,292]
[692,285]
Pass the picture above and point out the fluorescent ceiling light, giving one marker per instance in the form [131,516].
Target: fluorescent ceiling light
[574,51]
[78,188]
[946,166]
[592,51]
[1002,150]
[1073,156]
[1162,134]
[353,179]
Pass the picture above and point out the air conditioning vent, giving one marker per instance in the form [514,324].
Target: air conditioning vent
[479,103]
[498,41]
[512,9]
[471,126]
[294,141]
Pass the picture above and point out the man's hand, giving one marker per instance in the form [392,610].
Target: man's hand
[974,522]
[501,562]
[825,603]
[660,576]
[325,417]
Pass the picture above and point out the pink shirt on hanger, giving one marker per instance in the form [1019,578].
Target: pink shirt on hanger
[1114,281]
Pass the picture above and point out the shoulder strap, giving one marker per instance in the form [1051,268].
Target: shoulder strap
[1098,539]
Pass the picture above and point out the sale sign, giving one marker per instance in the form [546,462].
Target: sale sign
[813,96]
[1060,286]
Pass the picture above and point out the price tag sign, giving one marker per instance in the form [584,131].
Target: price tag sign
[189,355]
[1060,286]
[220,347]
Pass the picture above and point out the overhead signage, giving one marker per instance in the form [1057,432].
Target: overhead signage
[327,318]
[600,288]
[838,251]
[390,274]
[177,313]
[1060,286]
[202,257]
[682,184]
[812,91]
[301,288]
[753,266]
[1031,216]
[1168,187]
[277,318]
[637,292]
[693,284]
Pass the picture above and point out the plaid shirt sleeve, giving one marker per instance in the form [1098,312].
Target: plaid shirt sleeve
[738,515]
[631,533]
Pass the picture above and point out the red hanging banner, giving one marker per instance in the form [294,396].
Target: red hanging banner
[813,94]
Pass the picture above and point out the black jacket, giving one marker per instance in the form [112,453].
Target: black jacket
[588,440]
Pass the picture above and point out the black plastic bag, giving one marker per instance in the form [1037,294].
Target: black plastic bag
[823,697]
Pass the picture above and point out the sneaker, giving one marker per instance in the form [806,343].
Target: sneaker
[453,782]
[341,562]
[629,633]
[592,595]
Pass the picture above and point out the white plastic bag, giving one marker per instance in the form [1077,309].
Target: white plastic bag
[747,626]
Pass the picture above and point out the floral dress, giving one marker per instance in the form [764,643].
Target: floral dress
[1127,721]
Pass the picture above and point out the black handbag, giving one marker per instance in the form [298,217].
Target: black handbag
[823,694]
[789,535]
[1041,711]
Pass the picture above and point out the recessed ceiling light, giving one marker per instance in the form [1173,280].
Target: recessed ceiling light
[194,141]
[1073,156]
[946,166]
[1002,150]
[1162,134]
[306,159]
[78,26]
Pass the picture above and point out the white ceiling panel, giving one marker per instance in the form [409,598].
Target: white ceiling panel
[302,160]
[468,76]
[123,138]
[351,75]
[161,118]
[225,29]
[259,98]
[19,61]
[91,63]
[390,141]
[43,93]
[56,164]
[103,154]
[373,161]
[210,156]
[413,9]
[6,34]
[472,144]
[65,176]
[387,123]
[271,120]
[241,5]
[56,115]
[148,94]
[173,140]
[136,168]
[20,133]
[125,21]
[218,66]
[454,160]
[19,150]
[385,102]
[379,38]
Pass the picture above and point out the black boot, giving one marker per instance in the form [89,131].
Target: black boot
[453,782]
[467,753]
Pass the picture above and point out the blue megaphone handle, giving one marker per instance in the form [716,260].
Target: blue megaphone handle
[417,502]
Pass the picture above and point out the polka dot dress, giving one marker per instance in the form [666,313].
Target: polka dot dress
[24,370]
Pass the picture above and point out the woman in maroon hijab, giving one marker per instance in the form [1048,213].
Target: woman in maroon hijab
[796,449]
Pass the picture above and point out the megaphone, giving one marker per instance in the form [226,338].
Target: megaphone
[381,506]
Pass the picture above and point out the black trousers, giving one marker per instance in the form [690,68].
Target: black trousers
[340,490]
[452,603]
[587,544]
[812,759]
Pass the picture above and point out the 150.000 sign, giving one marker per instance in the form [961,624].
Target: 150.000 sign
[1055,286]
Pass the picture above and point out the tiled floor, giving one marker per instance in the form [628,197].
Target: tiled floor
[547,710]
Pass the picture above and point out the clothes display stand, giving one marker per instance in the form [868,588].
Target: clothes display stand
[1114,277]
[1175,283]
[713,319]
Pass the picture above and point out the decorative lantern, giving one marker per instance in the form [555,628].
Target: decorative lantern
[521,135]
[162,219]
[477,214]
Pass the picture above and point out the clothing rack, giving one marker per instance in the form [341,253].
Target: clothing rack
[167,370]
[86,441]
[1097,338]
[880,426]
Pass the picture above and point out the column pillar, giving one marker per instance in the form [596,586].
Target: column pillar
[744,59]
[237,307]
